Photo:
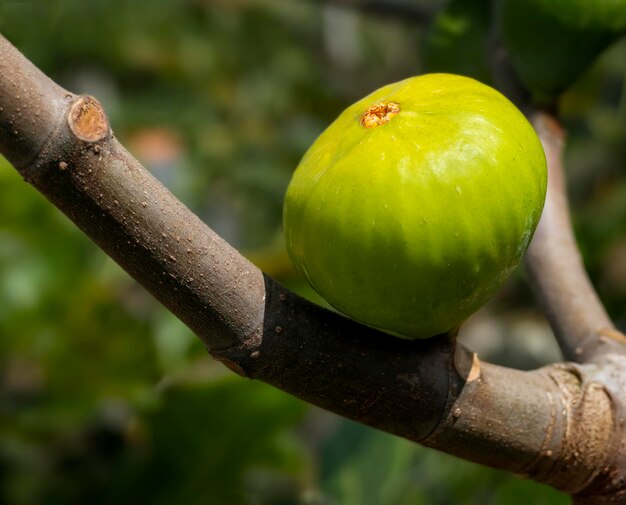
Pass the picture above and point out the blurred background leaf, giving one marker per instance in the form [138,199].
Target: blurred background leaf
[104,396]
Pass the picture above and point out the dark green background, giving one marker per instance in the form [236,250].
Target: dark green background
[105,397]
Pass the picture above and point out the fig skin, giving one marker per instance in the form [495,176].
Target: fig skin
[411,225]
[552,42]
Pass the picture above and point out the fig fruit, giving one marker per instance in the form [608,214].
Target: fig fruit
[552,42]
[414,206]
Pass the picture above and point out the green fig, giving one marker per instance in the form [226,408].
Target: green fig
[414,206]
[457,40]
[552,42]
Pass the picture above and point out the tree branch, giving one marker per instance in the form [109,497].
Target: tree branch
[555,268]
[554,425]
[553,262]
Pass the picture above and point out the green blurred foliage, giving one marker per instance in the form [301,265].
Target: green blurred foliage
[457,41]
[362,467]
[104,396]
[538,35]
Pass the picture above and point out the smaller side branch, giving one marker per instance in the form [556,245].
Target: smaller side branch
[555,267]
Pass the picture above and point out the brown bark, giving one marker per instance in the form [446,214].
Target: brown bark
[555,268]
[563,424]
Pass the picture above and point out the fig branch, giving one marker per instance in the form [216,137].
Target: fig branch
[555,268]
[562,425]
[553,262]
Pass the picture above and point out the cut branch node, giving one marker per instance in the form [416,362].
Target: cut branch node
[87,120]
